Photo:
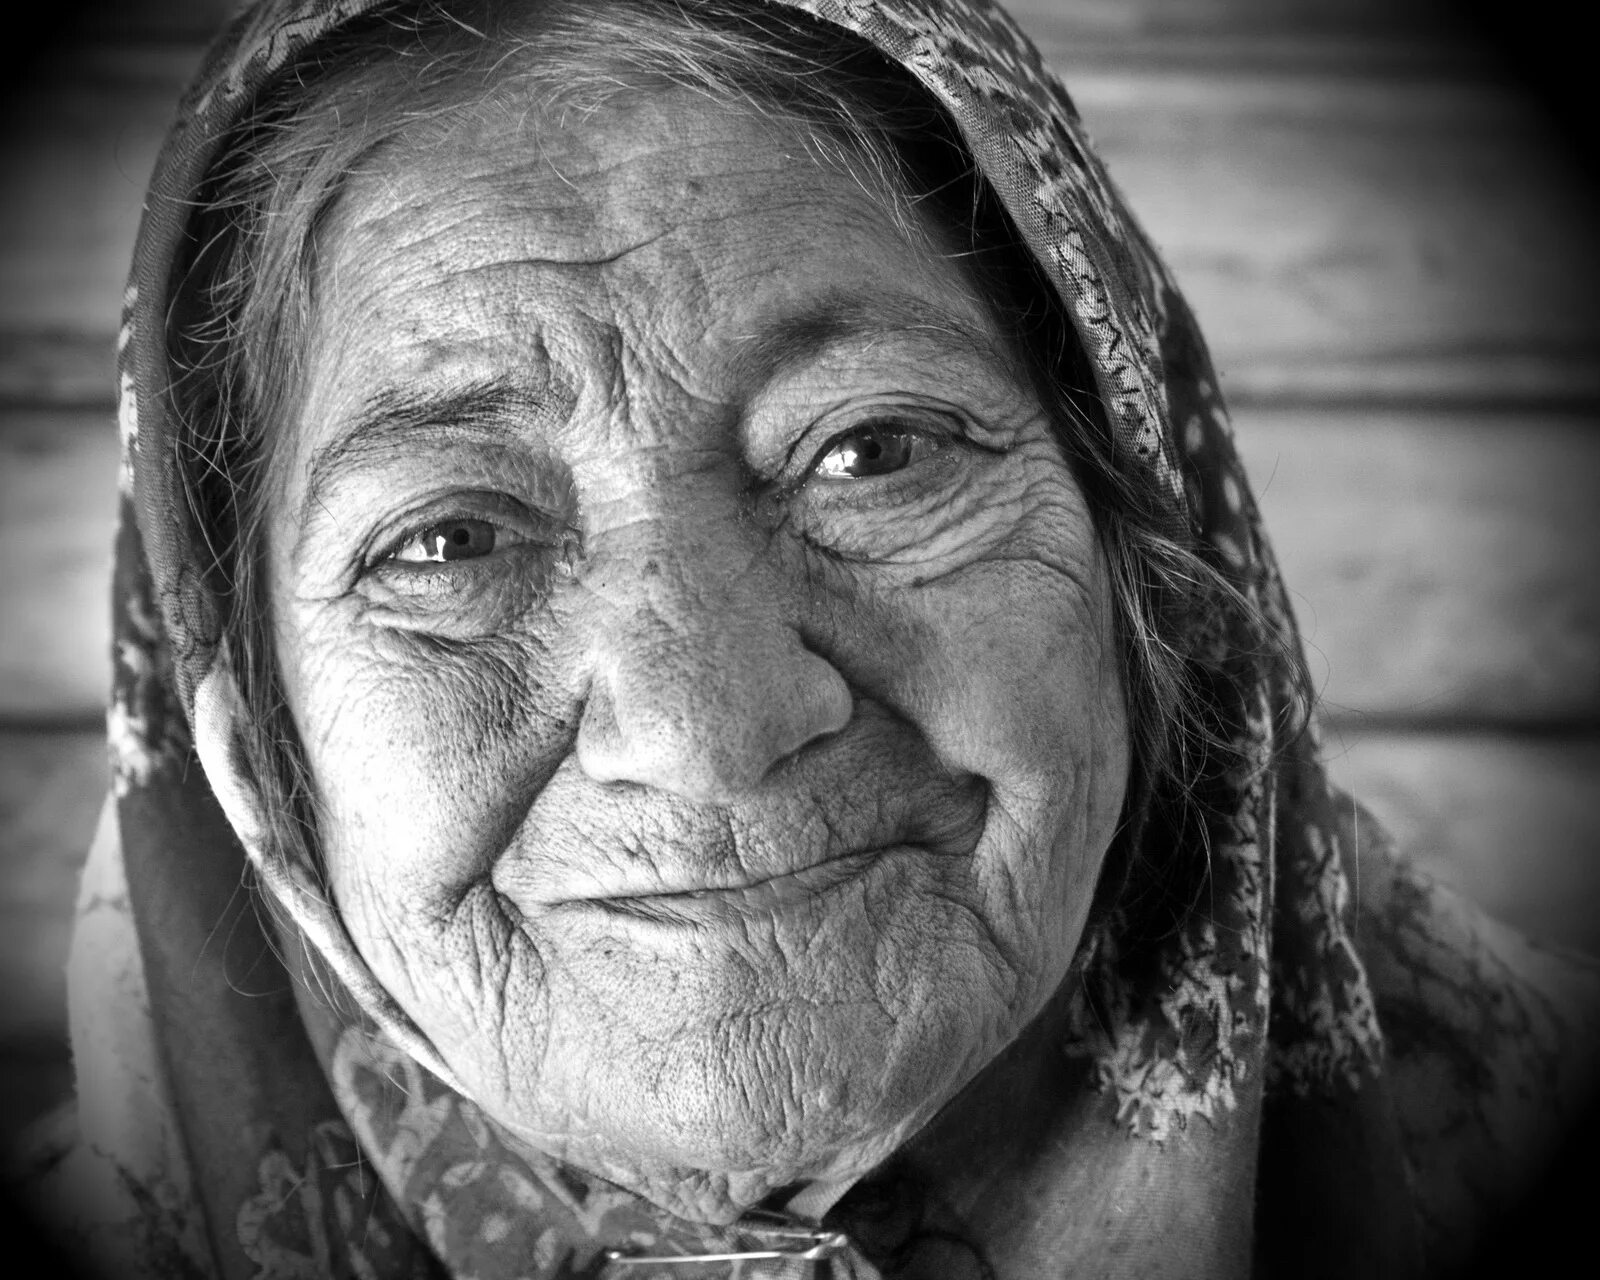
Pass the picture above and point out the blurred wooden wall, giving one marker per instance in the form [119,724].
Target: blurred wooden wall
[1390,252]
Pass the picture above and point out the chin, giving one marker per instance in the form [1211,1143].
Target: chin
[752,1103]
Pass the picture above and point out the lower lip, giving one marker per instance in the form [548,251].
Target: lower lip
[701,907]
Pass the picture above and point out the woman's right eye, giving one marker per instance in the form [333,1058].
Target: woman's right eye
[465,538]
[469,575]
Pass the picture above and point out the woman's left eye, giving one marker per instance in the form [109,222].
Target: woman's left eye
[874,449]
[461,539]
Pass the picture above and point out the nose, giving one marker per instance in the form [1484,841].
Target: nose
[700,684]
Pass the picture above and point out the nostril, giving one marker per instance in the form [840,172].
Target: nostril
[709,730]
[597,744]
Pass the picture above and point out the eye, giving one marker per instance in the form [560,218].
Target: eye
[872,449]
[460,539]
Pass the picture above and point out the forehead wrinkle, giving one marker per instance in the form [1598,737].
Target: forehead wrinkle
[601,257]
[841,318]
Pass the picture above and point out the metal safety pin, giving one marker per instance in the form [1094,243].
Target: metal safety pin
[822,1245]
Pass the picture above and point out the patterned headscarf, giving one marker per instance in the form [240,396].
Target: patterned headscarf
[1232,1102]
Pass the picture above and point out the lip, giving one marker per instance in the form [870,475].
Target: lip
[767,897]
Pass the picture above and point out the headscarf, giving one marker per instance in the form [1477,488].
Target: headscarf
[1228,1103]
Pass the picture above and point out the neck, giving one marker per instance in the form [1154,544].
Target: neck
[1029,1172]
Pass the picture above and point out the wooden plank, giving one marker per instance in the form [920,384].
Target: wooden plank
[63,370]
[75,155]
[51,788]
[1355,220]
[1161,17]
[1443,566]
[1511,821]
[58,505]
[1353,234]
[130,21]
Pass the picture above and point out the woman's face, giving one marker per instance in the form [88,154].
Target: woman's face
[701,650]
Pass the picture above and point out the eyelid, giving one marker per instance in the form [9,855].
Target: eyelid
[461,517]
[939,421]
[813,468]
[944,424]
[498,509]
[515,537]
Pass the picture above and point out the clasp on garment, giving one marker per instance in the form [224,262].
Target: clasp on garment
[806,1244]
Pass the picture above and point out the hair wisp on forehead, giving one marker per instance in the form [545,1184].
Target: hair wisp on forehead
[242,316]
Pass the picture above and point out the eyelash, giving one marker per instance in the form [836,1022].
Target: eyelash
[394,556]
[793,479]
[948,439]
[503,513]
[887,425]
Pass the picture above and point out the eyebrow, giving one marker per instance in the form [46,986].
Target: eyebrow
[402,419]
[844,317]
[396,419]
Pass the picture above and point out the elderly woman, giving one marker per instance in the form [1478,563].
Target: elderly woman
[700,693]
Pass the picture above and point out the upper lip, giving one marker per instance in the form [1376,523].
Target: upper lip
[760,895]
[640,850]
[700,889]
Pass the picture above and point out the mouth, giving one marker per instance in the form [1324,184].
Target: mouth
[766,897]
[715,867]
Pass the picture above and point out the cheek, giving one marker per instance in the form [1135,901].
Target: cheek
[1010,670]
[1031,699]
[425,758]
[1030,684]
[425,763]
[1041,716]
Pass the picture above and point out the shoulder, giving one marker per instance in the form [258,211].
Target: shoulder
[1491,1039]
[94,1215]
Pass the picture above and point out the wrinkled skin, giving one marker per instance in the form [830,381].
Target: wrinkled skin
[731,800]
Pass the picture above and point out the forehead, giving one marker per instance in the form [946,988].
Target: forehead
[663,229]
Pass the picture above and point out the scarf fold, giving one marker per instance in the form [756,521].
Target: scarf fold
[252,1103]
